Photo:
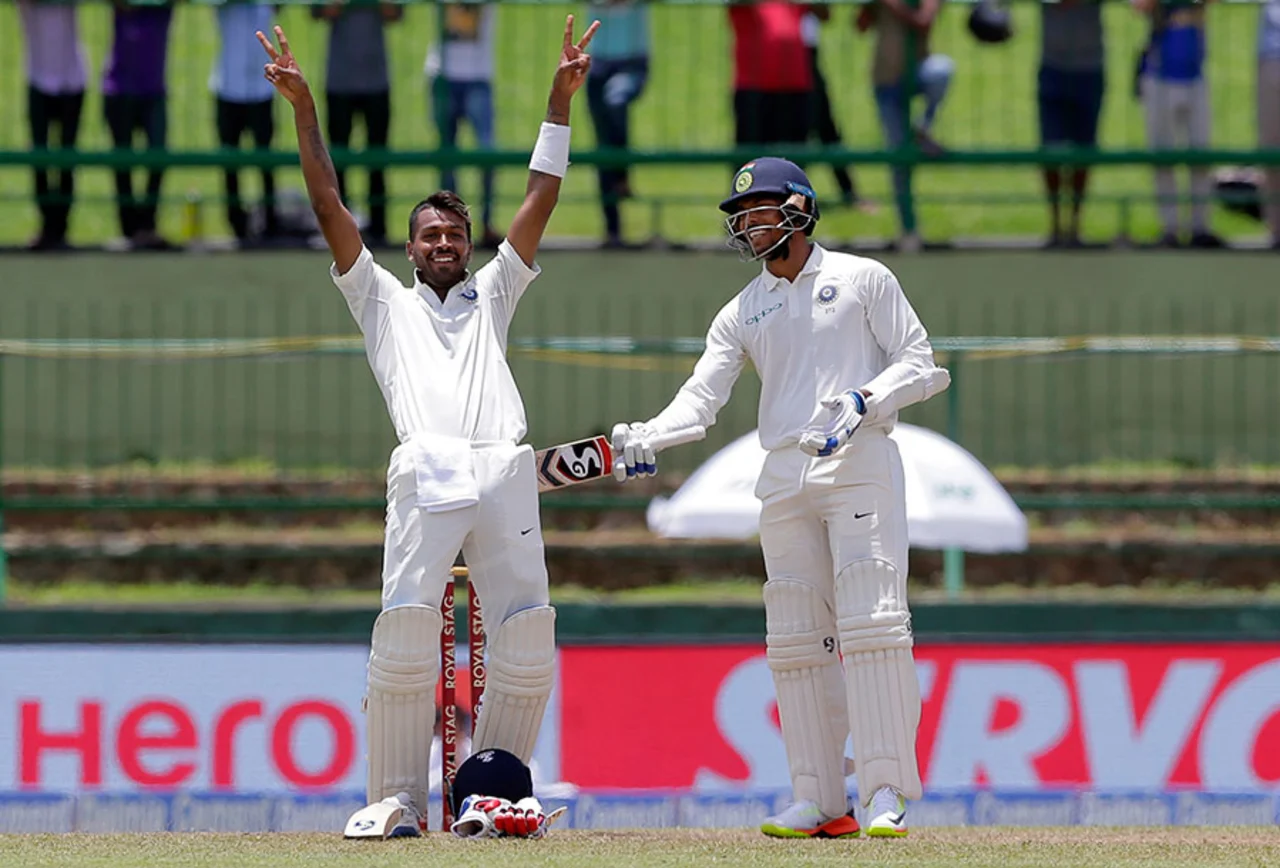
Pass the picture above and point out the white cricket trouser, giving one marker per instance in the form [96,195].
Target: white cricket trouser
[809,528]
[500,537]
[1178,117]
[839,526]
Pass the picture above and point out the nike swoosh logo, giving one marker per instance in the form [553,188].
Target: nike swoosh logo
[898,819]
[525,531]
[862,514]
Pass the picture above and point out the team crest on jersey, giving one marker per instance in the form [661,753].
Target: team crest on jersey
[827,295]
[470,294]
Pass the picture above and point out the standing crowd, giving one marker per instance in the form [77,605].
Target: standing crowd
[780,96]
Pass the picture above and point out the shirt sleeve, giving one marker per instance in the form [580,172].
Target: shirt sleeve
[504,279]
[708,389]
[366,281]
[911,375]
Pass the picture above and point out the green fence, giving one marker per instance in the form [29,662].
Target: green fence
[986,184]
[297,422]
[128,413]
[168,364]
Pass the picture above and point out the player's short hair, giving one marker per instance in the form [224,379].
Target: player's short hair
[444,200]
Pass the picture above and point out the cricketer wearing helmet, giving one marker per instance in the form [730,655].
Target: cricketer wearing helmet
[459,478]
[839,351]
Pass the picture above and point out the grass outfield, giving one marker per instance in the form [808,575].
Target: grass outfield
[1008,848]
[686,105]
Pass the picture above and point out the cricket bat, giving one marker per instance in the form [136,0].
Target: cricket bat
[584,460]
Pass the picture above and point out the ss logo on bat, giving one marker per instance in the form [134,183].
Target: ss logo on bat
[583,463]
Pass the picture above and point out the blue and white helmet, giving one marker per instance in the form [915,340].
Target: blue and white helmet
[770,176]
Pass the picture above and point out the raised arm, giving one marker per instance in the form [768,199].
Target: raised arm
[336,223]
[551,154]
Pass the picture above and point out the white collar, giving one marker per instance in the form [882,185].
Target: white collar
[812,265]
[430,291]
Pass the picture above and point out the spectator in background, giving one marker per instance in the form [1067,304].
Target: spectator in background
[1176,99]
[244,99]
[824,122]
[356,84]
[1070,96]
[619,70]
[133,100]
[898,79]
[55,97]
[460,72]
[1269,110]
[772,79]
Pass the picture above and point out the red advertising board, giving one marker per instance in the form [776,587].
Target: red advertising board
[1120,716]
[287,719]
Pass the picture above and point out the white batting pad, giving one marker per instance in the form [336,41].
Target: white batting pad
[376,820]
[880,675]
[521,668]
[401,701]
[801,642]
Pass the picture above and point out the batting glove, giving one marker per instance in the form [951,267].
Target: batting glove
[633,452]
[847,410]
[476,819]
[524,819]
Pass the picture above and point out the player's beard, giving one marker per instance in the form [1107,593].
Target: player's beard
[442,275]
[781,252]
[770,239]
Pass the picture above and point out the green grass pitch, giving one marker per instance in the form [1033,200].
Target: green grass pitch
[928,848]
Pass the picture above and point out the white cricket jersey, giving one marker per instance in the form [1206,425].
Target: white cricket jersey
[442,366]
[843,324]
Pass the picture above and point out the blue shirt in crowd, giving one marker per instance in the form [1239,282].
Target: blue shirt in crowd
[237,73]
[624,30]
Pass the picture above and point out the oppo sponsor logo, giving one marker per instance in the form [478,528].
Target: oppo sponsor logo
[755,318]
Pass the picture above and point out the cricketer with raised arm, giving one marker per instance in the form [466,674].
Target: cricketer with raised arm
[460,478]
[839,351]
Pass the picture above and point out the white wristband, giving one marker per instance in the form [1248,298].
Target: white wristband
[551,153]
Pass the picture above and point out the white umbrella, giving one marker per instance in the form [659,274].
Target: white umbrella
[953,501]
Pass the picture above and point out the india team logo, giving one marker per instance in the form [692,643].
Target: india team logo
[744,180]
[827,295]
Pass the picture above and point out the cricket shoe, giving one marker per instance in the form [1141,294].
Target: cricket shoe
[805,820]
[411,823]
[888,814]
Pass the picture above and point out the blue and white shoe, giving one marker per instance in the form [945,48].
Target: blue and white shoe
[411,823]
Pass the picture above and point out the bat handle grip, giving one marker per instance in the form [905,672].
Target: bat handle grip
[678,438]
